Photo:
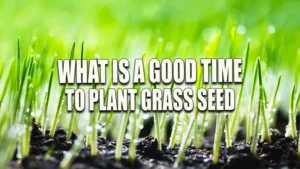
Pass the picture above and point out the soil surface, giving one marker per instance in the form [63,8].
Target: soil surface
[280,153]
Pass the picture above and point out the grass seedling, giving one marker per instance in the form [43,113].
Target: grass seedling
[271,107]
[227,132]
[156,127]
[49,152]
[9,144]
[46,100]
[177,115]
[218,136]
[260,114]
[184,143]
[125,119]
[73,113]
[200,135]
[291,128]
[120,140]
[91,137]
[27,62]
[26,118]
[235,119]
[158,53]
[249,115]
[133,133]
[262,98]
[196,134]
[70,155]
[132,146]
[7,80]
[110,115]
[60,101]
[162,124]
[174,130]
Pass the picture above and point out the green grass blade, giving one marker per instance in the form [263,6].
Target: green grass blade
[291,128]
[218,136]
[7,80]
[262,100]
[60,101]
[274,100]
[250,105]
[235,119]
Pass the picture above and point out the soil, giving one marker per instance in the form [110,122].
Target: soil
[280,153]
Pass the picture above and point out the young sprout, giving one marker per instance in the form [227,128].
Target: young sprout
[27,63]
[174,130]
[291,127]
[125,118]
[177,115]
[235,119]
[92,137]
[184,143]
[249,118]
[260,113]
[196,134]
[9,144]
[274,100]
[133,133]
[227,132]
[70,155]
[107,124]
[26,117]
[73,113]
[7,80]
[162,124]
[60,101]
[218,136]
[199,138]
[46,100]
[262,98]
[157,132]
[132,146]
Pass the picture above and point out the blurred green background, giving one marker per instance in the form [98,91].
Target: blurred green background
[124,28]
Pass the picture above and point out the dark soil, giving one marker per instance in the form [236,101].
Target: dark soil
[281,153]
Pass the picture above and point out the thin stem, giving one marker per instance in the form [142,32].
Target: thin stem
[7,80]
[234,123]
[73,114]
[184,143]
[125,118]
[262,98]
[60,101]
[274,99]
[174,131]
[157,132]
[250,105]
[70,155]
[227,136]
[291,128]
[218,136]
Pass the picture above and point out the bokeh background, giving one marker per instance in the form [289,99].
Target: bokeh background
[189,28]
